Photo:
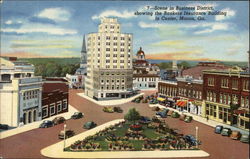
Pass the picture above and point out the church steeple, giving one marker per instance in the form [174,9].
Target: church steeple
[83,52]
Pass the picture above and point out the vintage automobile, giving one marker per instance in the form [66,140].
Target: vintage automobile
[163,113]
[244,138]
[4,126]
[144,120]
[89,125]
[118,109]
[46,124]
[191,139]
[175,115]
[77,115]
[226,132]
[188,119]
[235,135]
[108,109]
[69,133]
[218,129]
[58,120]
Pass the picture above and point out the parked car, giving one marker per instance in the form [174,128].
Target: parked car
[77,115]
[46,124]
[144,120]
[188,119]
[157,119]
[235,135]
[145,100]
[155,108]
[191,140]
[58,120]
[163,113]
[218,129]
[137,100]
[118,109]
[244,138]
[108,109]
[4,126]
[89,125]
[69,133]
[175,115]
[182,117]
[153,101]
[226,132]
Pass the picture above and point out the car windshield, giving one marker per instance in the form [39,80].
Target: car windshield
[245,136]
[225,130]
[218,127]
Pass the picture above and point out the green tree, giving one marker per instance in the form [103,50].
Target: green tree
[132,115]
[184,65]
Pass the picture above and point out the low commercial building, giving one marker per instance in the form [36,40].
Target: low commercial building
[54,97]
[226,96]
[20,93]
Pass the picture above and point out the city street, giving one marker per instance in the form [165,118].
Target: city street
[29,144]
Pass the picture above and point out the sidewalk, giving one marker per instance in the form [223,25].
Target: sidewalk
[110,102]
[203,120]
[56,150]
[35,125]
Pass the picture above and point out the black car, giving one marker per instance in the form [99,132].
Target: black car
[89,125]
[191,140]
[46,124]
[218,129]
[118,109]
[77,115]
[144,120]
[4,126]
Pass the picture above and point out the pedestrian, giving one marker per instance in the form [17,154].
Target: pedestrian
[207,118]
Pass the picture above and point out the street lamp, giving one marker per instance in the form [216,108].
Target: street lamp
[196,133]
[64,136]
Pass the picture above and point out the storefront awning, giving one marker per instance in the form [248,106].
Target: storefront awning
[161,99]
[181,103]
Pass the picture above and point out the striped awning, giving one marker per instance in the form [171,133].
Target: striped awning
[181,103]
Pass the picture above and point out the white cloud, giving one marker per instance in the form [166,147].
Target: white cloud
[52,30]
[229,13]
[151,25]
[56,14]
[113,13]
[214,27]
[9,22]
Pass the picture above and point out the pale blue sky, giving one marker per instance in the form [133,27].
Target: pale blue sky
[55,28]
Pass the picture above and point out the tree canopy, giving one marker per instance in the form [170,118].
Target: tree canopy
[132,115]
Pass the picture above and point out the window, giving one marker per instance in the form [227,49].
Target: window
[234,99]
[107,61]
[246,85]
[210,81]
[115,38]
[234,84]
[45,111]
[65,104]
[122,50]
[108,38]
[107,55]
[122,38]
[52,109]
[59,106]
[224,83]
[107,49]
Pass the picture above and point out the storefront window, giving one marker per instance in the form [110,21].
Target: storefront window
[220,113]
[215,111]
[241,122]
[246,124]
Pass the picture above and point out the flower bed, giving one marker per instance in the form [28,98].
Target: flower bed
[131,137]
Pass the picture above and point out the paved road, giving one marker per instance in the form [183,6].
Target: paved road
[29,144]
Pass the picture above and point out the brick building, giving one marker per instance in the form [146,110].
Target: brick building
[54,97]
[224,90]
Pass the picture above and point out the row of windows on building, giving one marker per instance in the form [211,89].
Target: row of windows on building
[115,61]
[109,44]
[110,26]
[54,108]
[146,79]
[113,87]
[225,83]
[170,91]
[107,81]
[30,94]
[190,93]
[109,38]
[114,55]
[122,50]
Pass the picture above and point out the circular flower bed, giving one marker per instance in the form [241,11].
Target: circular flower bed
[136,127]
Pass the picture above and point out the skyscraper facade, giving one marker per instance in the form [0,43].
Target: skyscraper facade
[109,62]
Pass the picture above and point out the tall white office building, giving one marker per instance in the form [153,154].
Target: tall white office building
[109,62]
